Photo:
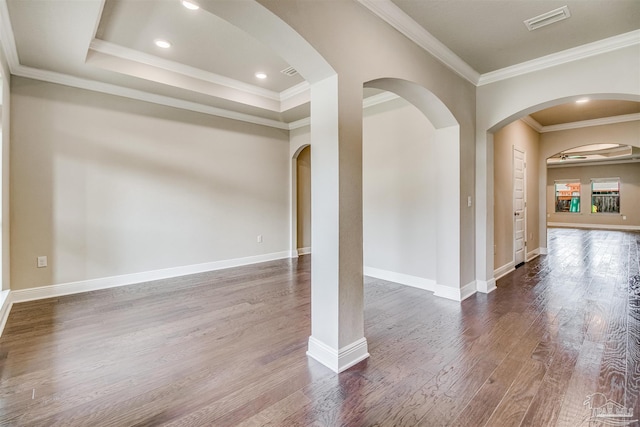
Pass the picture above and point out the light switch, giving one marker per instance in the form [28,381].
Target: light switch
[42,261]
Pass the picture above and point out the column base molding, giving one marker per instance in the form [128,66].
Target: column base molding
[338,360]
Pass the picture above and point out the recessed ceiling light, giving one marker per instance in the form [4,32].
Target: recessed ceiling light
[189,5]
[162,43]
[261,75]
[582,101]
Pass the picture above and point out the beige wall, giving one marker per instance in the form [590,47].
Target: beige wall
[383,53]
[399,197]
[629,175]
[304,198]
[520,135]
[105,186]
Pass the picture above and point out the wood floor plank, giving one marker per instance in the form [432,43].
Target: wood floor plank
[582,384]
[227,348]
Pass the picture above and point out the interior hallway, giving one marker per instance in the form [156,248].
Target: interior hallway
[227,348]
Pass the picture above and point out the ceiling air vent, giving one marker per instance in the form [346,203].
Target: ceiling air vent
[547,18]
[289,71]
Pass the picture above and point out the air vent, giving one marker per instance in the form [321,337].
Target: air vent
[289,71]
[547,18]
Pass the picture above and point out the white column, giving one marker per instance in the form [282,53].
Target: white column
[337,321]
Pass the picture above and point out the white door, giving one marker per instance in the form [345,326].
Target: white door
[519,207]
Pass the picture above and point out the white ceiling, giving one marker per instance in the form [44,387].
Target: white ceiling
[107,45]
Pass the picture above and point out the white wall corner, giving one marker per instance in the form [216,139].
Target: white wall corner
[304,251]
[338,360]
[504,270]
[6,301]
[486,286]
[533,254]
[403,279]
[456,294]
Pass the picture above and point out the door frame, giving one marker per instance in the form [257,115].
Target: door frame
[524,197]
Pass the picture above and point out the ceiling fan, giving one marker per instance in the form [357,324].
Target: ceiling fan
[571,157]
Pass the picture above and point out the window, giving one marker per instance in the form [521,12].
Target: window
[567,196]
[605,195]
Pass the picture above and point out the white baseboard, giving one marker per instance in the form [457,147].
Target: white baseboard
[304,251]
[533,254]
[338,360]
[42,292]
[504,270]
[595,226]
[543,251]
[403,279]
[456,294]
[5,307]
[486,286]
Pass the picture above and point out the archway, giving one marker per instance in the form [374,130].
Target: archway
[616,174]
[446,147]
[301,200]
[485,261]
[398,202]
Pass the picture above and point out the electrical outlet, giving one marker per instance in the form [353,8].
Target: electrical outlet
[42,261]
[624,217]
[259,239]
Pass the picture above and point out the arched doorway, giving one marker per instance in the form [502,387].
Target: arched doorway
[446,189]
[301,201]
[545,143]
[399,204]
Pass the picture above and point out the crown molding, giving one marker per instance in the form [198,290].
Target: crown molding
[394,16]
[300,123]
[293,91]
[590,123]
[569,55]
[7,39]
[533,123]
[132,55]
[111,89]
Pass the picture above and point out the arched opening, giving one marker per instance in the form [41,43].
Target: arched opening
[301,201]
[548,190]
[399,180]
[444,145]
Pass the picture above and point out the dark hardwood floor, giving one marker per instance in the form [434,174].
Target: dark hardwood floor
[227,348]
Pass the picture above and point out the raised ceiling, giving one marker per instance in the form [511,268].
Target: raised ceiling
[199,39]
[578,112]
[107,45]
